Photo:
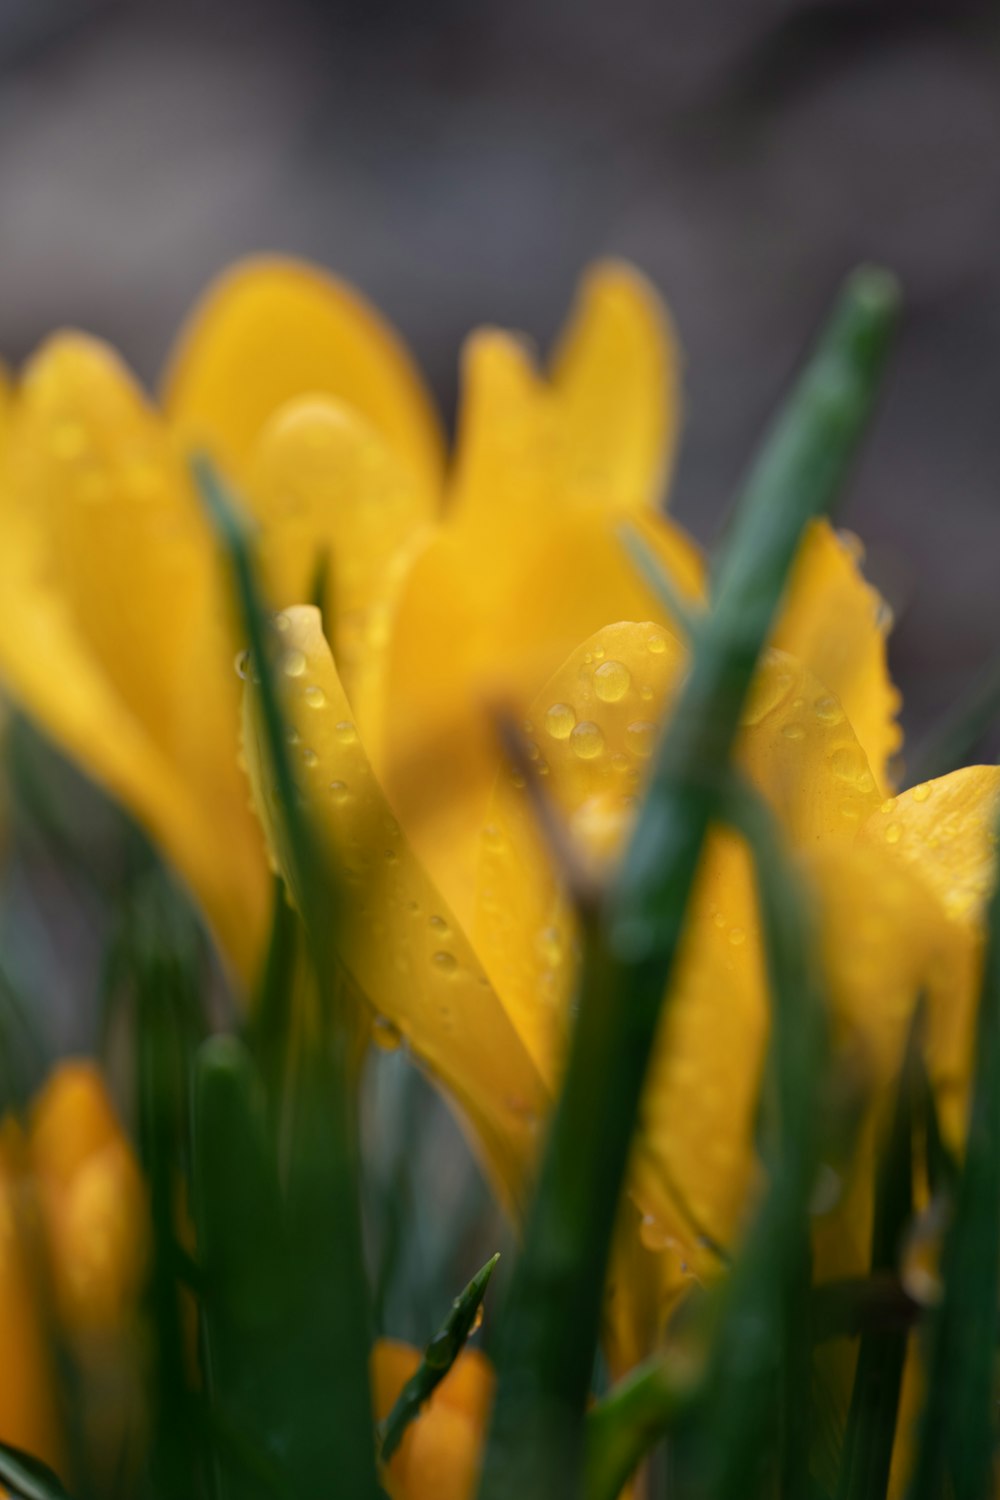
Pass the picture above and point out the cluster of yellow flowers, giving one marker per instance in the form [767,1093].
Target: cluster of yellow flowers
[496,584]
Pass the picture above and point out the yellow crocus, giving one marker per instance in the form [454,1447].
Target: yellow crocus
[499,584]
[73,1245]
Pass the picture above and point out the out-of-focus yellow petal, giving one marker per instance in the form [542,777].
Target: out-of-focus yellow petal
[115,632]
[28,1417]
[93,1201]
[943,835]
[399,940]
[484,625]
[272,329]
[327,490]
[836,624]
[799,748]
[616,374]
[439,1456]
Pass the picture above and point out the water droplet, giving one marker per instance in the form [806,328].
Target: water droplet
[385,1034]
[848,763]
[922,792]
[309,756]
[767,690]
[793,731]
[438,923]
[888,805]
[828,710]
[444,961]
[737,936]
[282,624]
[827,1190]
[657,643]
[892,833]
[242,665]
[550,946]
[654,1235]
[314,696]
[587,740]
[346,732]
[640,738]
[559,721]
[293,663]
[612,681]
[339,791]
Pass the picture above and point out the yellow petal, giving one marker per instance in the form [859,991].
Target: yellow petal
[114,629]
[836,624]
[93,1200]
[273,329]
[327,490]
[28,1417]
[943,835]
[508,463]
[484,624]
[616,375]
[798,746]
[399,940]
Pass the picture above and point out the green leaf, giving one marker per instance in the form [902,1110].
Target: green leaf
[878,1376]
[630,944]
[759,1379]
[439,1356]
[321,1189]
[653,1400]
[957,1431]
[27,1478]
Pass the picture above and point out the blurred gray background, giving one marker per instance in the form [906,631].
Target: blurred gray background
[461,162]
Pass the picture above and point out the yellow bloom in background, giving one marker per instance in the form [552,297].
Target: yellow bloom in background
[73,1246]
[500,582]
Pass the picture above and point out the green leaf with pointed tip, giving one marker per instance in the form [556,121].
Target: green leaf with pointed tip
[439,1356]
[27,1478]
[549,1334]
[322,1215]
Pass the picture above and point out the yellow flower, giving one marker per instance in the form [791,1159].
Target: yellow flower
[502,584]
[439,1456]
[73,1239]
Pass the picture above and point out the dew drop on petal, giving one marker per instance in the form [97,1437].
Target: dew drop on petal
[640,738]
[339,791]
[587,740]
[922,792]
[892,833]
[309,756]
[657,643]
[314,696]
[293,663]
[385,1035]
[612,681]
[444,962]
[793,731]
[346,732]
[559,721]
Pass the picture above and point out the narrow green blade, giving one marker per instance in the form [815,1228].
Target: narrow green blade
[439,1356]
[322,1197]
[878,1376]
[27,1478]
[549,1334]
[958,1431]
